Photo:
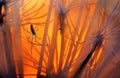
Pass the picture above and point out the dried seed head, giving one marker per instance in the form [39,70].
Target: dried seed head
[98,39]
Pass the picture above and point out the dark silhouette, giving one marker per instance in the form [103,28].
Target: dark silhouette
[2,3]
[96,45]
[32,29]
[1,75]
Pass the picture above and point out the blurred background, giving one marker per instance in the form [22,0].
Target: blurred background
[60,39]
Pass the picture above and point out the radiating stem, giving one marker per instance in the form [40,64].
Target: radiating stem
[44,39]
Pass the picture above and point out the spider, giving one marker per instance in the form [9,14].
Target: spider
[32,37]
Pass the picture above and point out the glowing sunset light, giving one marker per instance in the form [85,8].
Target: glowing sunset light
[59,38]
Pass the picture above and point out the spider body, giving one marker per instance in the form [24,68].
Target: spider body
[32,30]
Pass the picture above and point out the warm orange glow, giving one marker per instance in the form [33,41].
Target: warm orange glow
[57,51]
[84,24]
[59,38]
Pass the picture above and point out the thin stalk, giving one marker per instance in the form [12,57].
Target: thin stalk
[9,53]
[62,16]
[44,39]
[96,45]
[53,45]
[82,66]
[73,39]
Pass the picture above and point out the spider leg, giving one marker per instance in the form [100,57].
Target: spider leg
[31,45]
